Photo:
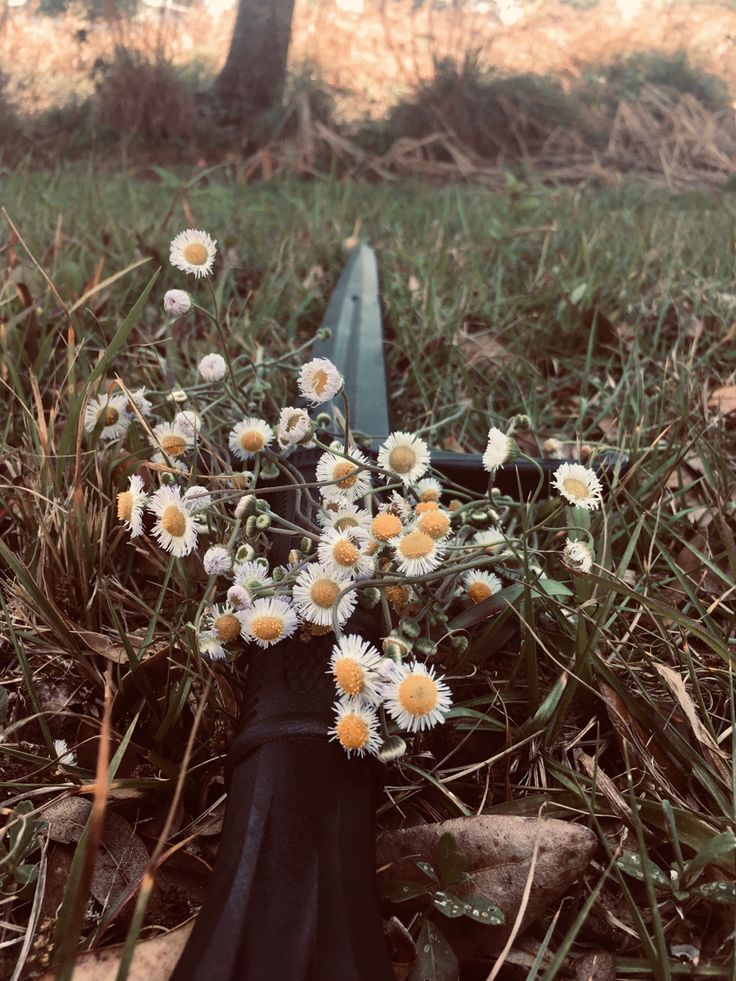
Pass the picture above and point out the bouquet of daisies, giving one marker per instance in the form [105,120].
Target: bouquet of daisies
[379,530]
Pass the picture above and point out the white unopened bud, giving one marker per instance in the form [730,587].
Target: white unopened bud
[177,302]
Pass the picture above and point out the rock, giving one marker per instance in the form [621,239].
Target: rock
[498,851]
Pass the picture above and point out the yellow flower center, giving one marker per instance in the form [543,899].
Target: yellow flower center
[401,459]
[479,591]
[125,505]
[345,553]
[345,475]
[429,495]
[349,676]
[434,523]
[174,521]
[319,380]
[385,526]
[418,694]
[352,732]
[172,444]
[454,505]
[111,415]
[371,548]
[347,522]
[252,440]
[267,628]
[576,488]
[227,627]
[397,595]
[324,593]
[424,506]
[416,545]
[195,253]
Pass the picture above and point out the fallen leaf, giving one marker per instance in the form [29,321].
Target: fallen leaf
[498,850]
[480,349]
[723,400]
[597,966]
[154,959]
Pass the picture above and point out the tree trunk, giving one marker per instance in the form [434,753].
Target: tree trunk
[252,79]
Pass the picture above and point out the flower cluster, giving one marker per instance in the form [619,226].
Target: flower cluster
[372,530]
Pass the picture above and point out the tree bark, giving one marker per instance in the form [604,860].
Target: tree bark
[252,79]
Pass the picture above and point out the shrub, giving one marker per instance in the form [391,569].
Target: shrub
[490,113]
[145,98]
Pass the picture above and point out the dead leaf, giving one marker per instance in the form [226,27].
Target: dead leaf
[66,818]
[498,850]
[723,400]
[154,959]
[477,349]
[606,786]
[597,966]
[402,949]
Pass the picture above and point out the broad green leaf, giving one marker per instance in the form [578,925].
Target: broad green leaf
[401,890]
[428,870]
[450,863]
[719,892]
[482,910]
[449,905]
[720,846]
[435,958]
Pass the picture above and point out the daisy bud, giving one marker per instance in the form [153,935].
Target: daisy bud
[177,302]
[396,647]
[459,643]
[279,572]
[246,553]
[393,748]
[263,522]
[217,561]
[425,647]
[410,629]
[369,598]
[306,546]
[246,506]
[212,368]
[250,526]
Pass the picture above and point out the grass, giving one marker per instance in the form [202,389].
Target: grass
[602,314]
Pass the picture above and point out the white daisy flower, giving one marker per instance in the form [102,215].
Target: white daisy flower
[217,561]
[405,456]
[189,421]
[578,556]
[397,504]
[386,525]
[315,593]
[112,411]
[356,729]
[225,622]
[344,516]
[198,498]
[268,621]
[175,528]
[415,697]
[428,489]
[139,400]
[319,380]
[249,437]
[209,646]
[490,540]
[177,302]
[579,485]
[348,482]
[417,553]
[212,368]
[64,756]
[499,449]
[239,598]
[251,576]
[193,251]
[131,505]
[355,666]
[480,585]
[436,524]
[344,552]
[171,440]
[295,427]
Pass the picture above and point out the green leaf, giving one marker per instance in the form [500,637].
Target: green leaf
[719,892]
[631,864]
[482,910]
[449,905]
[435,958]
[552,587]
[719,846]
[428,870]
[401,890]
[450,863]
[578,293]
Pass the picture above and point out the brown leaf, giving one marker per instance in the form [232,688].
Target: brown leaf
[66,818]
[723,400]
[153,959]
[498,850]
[480,349]
[597,966]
